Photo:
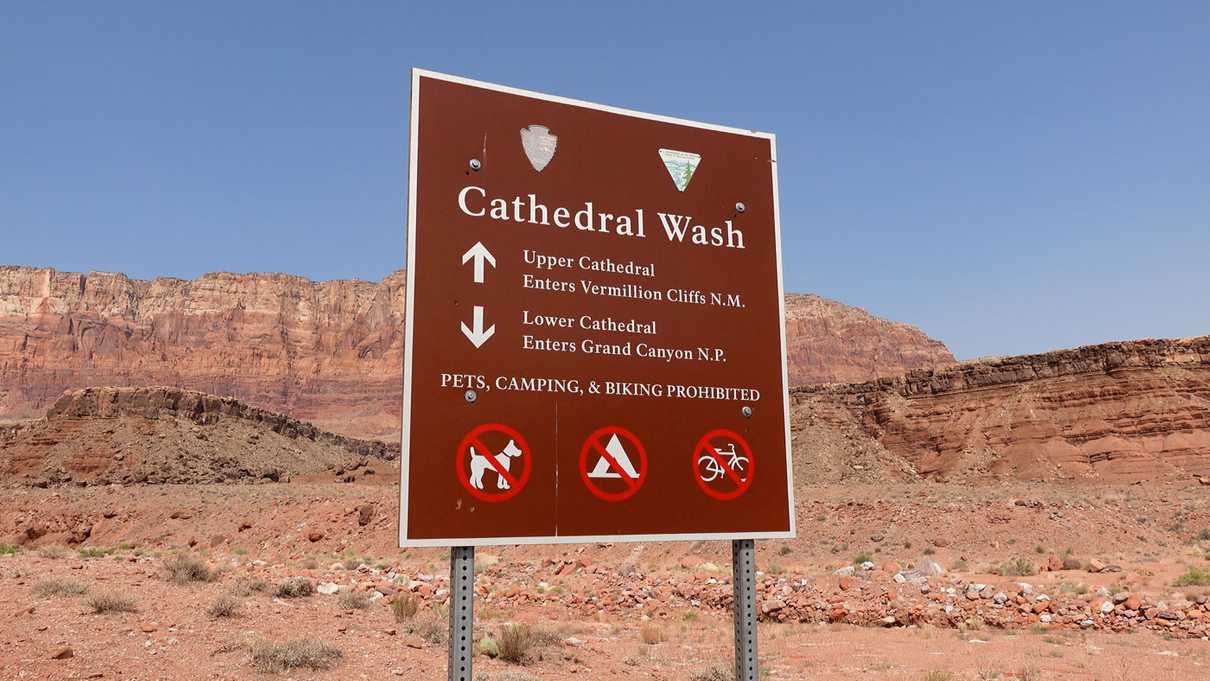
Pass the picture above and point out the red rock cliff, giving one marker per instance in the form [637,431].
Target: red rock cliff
[326,352]
[1115,412]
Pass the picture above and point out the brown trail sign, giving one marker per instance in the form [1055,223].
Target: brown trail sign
[595,342]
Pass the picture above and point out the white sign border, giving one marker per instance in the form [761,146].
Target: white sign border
[404,452]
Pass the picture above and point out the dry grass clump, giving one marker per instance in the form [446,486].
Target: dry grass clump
[294,587]
[515,642]
[652,634]
[713,674]
[1017,568]
[246,586]
[430,626]
[185,569]
[404,607]
[223,606]
[60,587]
[1194,576]
[54,551]
[305,653]
[111,602]
[354,600]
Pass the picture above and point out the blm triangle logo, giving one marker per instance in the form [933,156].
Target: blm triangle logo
[681,165]
[618,452]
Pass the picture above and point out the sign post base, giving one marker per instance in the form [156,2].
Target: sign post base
[462,619]
[743,579]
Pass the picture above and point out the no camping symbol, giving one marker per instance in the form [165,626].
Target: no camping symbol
[493,462]
[723,464]
[613,451]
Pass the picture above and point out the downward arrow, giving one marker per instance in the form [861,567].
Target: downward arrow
[480,253]
[478,335]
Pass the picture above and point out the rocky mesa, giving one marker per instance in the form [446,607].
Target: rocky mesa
[326,352]
[1115,412]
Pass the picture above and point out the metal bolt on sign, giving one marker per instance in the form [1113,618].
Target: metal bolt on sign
[471,396]
[462,619]
[475,164]
[743,578]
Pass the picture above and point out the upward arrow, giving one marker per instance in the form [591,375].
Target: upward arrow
[480,253]
[475,333]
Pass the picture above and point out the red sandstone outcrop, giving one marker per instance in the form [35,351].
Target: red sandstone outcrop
[169,435]
[828,342]
[326,352]
[1112,412]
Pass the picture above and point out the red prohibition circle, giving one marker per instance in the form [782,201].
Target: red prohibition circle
[516,483]
[704,448]
[596,443]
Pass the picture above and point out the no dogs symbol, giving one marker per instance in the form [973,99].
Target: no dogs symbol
[493,462]
[612,452]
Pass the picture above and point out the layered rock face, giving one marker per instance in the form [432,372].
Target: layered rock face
[828,342]
[1114,412]
[327,352]
[99,436]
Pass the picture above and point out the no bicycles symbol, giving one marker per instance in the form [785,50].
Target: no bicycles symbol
[613,446]
[722,471]
[509,479]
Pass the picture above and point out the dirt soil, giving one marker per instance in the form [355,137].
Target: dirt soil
[1110,609]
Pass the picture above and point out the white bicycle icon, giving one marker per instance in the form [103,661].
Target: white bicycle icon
[709,469]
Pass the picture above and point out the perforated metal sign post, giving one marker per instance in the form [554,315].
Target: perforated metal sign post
[595,342]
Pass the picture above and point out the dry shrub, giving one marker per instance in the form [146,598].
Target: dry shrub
[103,603]
[515,642]
[713,674]
[223,606]
[430,626]
[60,587]
[186,569]
[404,607]
[652,634]
[246,586]
[297,654]
[54,551]
[354,600]
[294,587]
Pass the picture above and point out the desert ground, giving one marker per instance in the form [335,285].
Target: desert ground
[202,581]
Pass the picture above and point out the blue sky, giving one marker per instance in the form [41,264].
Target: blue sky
[1010,179]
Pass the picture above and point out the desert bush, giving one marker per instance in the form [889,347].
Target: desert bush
[652,634]
[431,627]
[9,549]
[354,600]
[713,674]
[515,641]
[94,552]
[937,675]
[223,606]
[404,607]
[54,551]
[863,557]
[111,602]
[185,569]
[1204,535]
[246,586]
[60,587]
[297,654]
[1194,576]
[1017,568]
[294,587]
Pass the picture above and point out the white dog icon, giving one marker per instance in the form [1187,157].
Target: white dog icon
[479,464]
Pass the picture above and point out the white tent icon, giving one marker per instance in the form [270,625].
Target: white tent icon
[618,452]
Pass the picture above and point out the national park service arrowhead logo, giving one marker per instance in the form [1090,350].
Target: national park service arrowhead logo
[681,165]
[539,145]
